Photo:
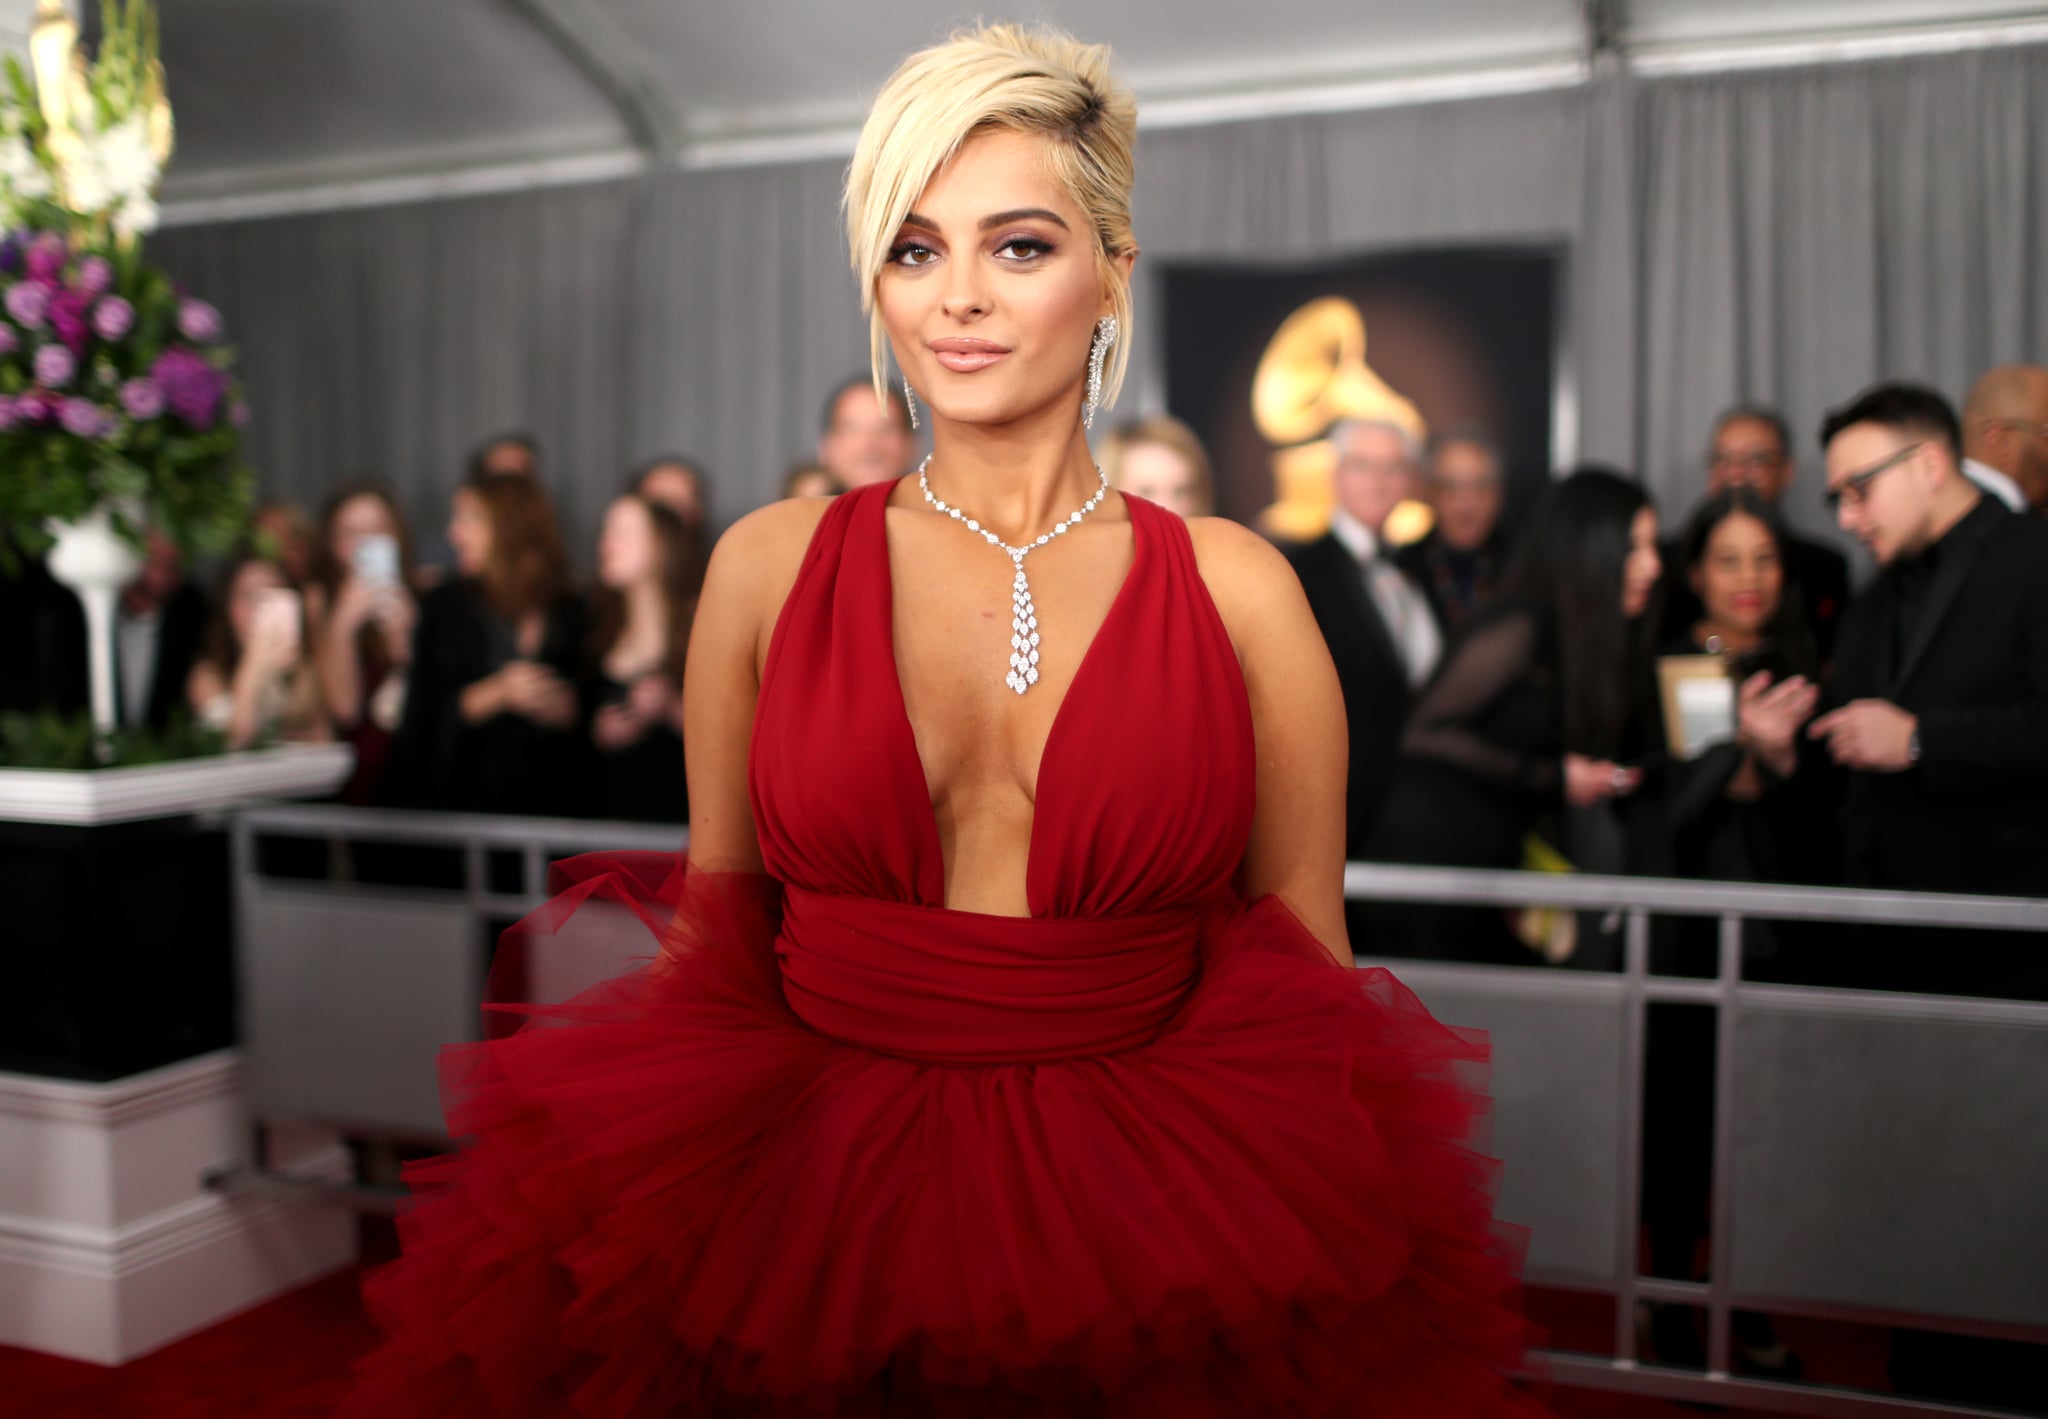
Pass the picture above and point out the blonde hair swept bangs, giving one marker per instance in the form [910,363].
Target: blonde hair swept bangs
[1023,79]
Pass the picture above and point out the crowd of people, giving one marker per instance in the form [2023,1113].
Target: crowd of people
[1501,684]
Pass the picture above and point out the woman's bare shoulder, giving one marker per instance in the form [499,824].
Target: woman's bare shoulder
[1248,578]
[755,564]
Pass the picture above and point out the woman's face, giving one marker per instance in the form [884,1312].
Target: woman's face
[1739,578]
[1159,474]
[361,516]
[626,549]
[1640,572]
[246,594]
[469,533]
[992,289]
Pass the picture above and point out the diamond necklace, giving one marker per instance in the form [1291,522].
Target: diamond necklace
[1023,613]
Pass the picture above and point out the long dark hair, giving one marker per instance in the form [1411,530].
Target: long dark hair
[329,573]
[681,575]
[1788,635]
[1570,563]
[526,571]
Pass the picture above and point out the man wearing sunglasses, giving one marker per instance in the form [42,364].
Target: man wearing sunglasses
[2005,436]
[1941,670]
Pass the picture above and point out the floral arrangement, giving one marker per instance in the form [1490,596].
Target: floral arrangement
[116,389]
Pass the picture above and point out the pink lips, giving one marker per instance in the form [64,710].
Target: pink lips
[964,356]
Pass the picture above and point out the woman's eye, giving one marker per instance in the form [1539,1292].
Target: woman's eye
[1023,248]
[909,253]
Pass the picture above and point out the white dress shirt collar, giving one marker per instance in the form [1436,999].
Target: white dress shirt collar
[1995,483]
[1358,539]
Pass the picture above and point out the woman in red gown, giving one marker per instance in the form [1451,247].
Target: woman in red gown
[1000,1051]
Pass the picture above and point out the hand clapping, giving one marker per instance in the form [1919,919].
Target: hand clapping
[1873,735]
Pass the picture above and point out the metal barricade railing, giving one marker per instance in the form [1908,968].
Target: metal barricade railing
[349,989]
[1982,1063]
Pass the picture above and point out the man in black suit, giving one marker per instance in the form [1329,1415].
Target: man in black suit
[1752,447]
[1941,673]
[1381,631]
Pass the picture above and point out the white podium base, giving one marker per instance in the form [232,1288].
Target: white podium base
[110,1246]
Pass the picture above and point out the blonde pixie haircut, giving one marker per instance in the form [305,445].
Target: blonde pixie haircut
[1024,80]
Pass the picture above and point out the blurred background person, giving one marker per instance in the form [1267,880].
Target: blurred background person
[683,487]
[285,534]
[490,713]
[862,439]
[1160,459]
[1458,565]
[1542,702]
[810,480]
[514,452]
[362,611]
[157,629]
[1939,708]
[1740,811]
[2005,436]
[631,691]
[254,679]
[1752,448]
[1380,630]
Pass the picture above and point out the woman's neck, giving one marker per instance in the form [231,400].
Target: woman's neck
[646,611]
[1707,631]
[1016,479]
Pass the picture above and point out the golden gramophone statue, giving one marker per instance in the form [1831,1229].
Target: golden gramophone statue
[1312,375]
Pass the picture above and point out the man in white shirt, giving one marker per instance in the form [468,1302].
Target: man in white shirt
[2005,436]
[1383,635]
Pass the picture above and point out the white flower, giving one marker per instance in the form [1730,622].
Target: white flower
[127,165]
[136,217]
[20,174]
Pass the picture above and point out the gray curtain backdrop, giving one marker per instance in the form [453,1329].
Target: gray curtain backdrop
[1784,237]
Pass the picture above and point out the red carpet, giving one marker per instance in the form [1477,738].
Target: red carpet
[289,1359]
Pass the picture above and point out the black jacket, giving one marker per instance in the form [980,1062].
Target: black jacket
[1972,815]
[1370,671]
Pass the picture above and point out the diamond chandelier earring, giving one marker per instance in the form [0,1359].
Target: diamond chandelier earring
[910,403]
[1098,351]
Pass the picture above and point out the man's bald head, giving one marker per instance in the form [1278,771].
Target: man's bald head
[2005,426]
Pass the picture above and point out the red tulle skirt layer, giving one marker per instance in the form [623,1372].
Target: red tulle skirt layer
[680,1200]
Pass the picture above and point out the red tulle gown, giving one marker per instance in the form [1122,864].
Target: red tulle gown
[841,1151]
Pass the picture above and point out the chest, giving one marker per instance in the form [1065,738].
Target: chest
[954,627]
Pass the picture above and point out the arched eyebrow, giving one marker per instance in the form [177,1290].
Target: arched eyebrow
[1020,214]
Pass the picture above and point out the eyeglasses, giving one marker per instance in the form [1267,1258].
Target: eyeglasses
[1856,487]
[1754,462]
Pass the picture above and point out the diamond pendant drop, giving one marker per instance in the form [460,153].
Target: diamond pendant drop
[1023,612]
[1023,633]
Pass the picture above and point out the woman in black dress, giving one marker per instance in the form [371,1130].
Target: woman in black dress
[490,715]
[631,690]
[1542,701]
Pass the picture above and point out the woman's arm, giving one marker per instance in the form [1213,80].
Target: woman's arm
[752,570]
[1296,849]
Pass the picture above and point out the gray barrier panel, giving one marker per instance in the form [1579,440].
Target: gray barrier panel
[1892,1161]
[347,1000]
[1558,1072]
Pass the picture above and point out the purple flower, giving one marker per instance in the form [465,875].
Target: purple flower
[143,398]
[28,302]
[67,314]
[113,318]
[85,419]
[8,340]
[47,255]
[54,366]
[95,275]
[192,387]
[199,322]
[10,254]
[32,406]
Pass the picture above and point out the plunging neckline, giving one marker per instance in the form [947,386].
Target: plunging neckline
[906,732]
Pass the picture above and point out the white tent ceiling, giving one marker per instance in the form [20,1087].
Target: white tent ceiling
[286,95]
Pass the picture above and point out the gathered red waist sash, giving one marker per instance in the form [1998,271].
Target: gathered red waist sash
[950,987]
